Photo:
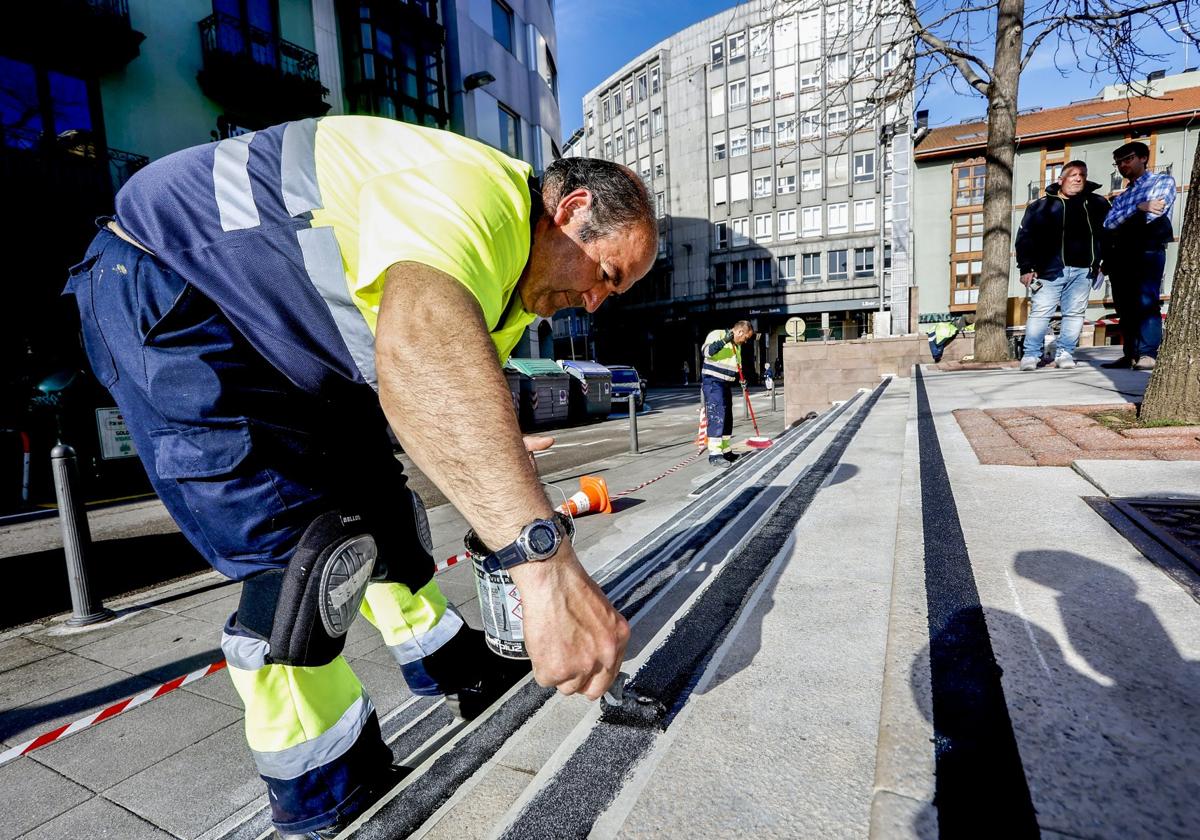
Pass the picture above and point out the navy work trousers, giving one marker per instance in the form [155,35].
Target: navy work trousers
[718,404]
[242,458]
[1137,286]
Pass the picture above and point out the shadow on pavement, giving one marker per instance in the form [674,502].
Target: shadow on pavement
[115,567]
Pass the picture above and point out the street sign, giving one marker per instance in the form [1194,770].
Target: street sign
[115,440]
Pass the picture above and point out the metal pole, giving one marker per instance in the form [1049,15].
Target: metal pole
[773,399]
[633,441]
[745,403]
[77,538]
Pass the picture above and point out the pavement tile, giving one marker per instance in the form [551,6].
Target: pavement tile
[95,819]
[116,749]
[69,638]
[68,705]
[1002,414]
[1099,408]
[1098,437]
[214,587]
[1069,420]
[1010,455]
[179,660]
[1028,436]
[21,651]
[194,789]
[384,683]
[1119,454]
[1189,432]
[217,687]
[169,634]
[31,794]
[1178,454]
[217,611]
[44,677]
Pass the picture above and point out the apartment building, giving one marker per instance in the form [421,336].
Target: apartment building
[779,178]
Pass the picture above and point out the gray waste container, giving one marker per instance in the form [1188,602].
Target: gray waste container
[591,389]
[514,388]
[544,391]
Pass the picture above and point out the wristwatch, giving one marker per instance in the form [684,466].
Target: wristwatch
[539,540]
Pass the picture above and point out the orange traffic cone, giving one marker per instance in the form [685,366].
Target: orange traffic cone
[591,498]
[702,432]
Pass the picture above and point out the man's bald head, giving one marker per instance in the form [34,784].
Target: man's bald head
[619,198]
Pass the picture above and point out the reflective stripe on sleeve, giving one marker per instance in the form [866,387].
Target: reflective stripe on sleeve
[245,652]
[231,183]
[298,167]
[323,262]
[413,625]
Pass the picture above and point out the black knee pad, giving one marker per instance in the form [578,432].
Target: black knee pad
[305,610]
[405,543]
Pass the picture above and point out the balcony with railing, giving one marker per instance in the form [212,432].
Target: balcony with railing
[71,167]
[80,37]
[1117,183]
[257,75]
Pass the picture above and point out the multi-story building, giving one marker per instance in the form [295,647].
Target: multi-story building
[950,176]
[92,90]
[779,177]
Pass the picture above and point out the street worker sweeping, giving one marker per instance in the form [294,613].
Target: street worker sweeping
[261,309]
[722,360]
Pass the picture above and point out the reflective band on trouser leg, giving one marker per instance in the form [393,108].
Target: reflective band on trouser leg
[313,733]
[726,444]
[412,625]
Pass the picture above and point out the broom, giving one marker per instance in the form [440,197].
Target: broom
[758,441]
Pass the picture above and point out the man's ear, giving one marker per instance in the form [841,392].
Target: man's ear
[579,200]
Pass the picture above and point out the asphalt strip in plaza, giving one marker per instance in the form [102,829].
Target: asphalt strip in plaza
[980,778]
[415,804]
[592,777]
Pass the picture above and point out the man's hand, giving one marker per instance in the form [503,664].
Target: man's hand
[1028,277]
[574,636]
[1154,206]
[536,443]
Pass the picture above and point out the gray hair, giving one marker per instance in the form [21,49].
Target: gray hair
[619,199]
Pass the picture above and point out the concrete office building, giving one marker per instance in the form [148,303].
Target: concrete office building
[950,175]
[781,191]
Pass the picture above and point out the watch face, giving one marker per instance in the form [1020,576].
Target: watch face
[543,538]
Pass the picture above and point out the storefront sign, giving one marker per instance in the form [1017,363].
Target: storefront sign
[115,440]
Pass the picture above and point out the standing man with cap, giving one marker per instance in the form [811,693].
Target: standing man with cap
[262,309]
[722,358]
[1139,228]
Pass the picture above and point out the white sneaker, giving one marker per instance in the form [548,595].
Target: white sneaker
[1029,363]
[1064,361]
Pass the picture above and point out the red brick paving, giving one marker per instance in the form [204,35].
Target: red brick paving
[1054,436]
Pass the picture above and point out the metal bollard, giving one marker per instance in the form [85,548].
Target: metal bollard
[633,441]
[77,538]
[745,404]
[773,399]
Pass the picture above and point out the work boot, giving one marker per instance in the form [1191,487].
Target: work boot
[466,671]
[1123,362]
[379,786]
[730,456]
[1144,363]
[719,462]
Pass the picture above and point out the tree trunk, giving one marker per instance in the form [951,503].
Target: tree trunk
[1174,390]
[991,341]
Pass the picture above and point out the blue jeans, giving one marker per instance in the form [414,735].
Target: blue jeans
[1068,292]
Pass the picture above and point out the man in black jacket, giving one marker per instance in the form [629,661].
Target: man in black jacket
[1058,254]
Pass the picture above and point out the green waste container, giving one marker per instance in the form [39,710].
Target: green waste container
[545,391]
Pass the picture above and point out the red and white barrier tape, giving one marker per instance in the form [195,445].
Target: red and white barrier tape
[673,469]
[104,714]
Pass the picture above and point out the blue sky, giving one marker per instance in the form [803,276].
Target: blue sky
[596,38]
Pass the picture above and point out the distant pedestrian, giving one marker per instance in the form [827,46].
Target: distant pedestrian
[768,379]
[722,357]
[687,373]
[1139,228]
[1059,253]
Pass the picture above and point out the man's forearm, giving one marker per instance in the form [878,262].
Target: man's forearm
[445,396]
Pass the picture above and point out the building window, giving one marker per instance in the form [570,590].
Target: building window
[762,271]
[864,63]
[838,68]
[720,235]
[864,166]
[966,282]
[616,99]
[391,71]
[837,120]
[629,94]
[836,174]
[786,226]
[785,40]
[810,268]
[785,81]
[787,268]
[739,276]
[660,164]
[786,184]
[836,20]
[718,146]
[716,105]
[887,256]
[654,80]
[762,227]
[644,129]
[810,75]
[551,75]
[737,94]
[968,233]
[760,41]
[631,138]
[864,214]
[620,145]
[810,124]
[656,121]
[605,108]
[837,264]
[660,204]
[642,89]
[739,186]
[737,143]
[760,87]
[644,168]
[837,217]
[502,25]
[721,277]
[762,186]
[717,50]
[719,190]
[810,219]
[810,175]
[887,212]
[510,132]
[968,184]
[760,136]
[889,59]
[591,123]
[785,131]
[737,47]
[608,153]
[662,244]
[741,231]
[864,262]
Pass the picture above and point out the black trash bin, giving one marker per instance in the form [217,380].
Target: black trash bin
[591,389]
[544,392]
